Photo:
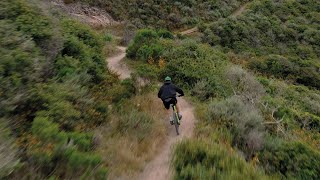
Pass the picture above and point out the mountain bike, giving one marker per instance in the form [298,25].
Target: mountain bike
[175,117]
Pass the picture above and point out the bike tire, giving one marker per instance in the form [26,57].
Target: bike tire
[176,125]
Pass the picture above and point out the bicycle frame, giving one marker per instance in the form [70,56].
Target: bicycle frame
[175,112]
[176,119]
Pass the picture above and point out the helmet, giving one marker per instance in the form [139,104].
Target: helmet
[167,78]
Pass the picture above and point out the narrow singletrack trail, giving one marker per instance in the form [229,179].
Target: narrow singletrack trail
[159,167]
[240,10]
[116,65]
[236,13]
[189,31]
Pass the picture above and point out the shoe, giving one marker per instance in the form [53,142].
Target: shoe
[171,121]
[180,116]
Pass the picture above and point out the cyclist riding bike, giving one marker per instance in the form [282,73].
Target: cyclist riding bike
[167,93]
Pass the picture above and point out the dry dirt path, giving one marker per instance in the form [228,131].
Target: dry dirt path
[116,64]
[189,31]
[236,13]
[240,10]
[159,167]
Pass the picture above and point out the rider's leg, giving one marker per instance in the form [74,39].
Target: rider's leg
[178,110]
[178,107]
[168,112]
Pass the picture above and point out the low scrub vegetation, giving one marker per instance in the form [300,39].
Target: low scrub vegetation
[49,72]
[292,160]
[199,160]
[239,110]
[167,14]
[135,132]
[281,36]
[243,120]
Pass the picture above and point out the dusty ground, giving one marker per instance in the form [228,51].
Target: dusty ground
[159,167]
[116,64]
[93,16]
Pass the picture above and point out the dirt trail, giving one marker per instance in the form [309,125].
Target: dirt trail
[240,10]
[189,31]
[159,167]
[116,65]
[236,13]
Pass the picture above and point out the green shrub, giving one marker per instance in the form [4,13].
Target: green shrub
[198,160]
[122,91]
[78,160]
[66,66]
[244,84]
[282,29]
[191,62]
[135,122]
[292,160]
[47,91]
[205,89]
[243,120]
[82,140]
[8,154]
[275,65]
[27,19]
[281,67]
[85,46]
[165,34]
[147,71]
[143,37]
[146,44]
[20,66]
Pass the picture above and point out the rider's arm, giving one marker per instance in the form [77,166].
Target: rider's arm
[179,91]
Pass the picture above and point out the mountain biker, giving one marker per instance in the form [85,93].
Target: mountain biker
[167,93]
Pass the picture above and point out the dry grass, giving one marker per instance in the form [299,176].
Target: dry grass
[126,153]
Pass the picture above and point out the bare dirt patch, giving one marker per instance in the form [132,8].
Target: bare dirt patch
[93,16]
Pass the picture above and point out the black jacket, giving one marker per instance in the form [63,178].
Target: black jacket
[169,90]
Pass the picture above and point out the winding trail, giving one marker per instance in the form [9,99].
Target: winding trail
[159,167]
[236,13]
[116,64]
[240,10]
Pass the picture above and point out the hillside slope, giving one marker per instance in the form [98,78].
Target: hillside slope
[168,14]
[252,79]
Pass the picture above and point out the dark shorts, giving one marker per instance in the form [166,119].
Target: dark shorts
[169,101]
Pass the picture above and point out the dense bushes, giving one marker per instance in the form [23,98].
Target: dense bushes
[282,67]
[187,62]
[190,64]
[27,19]
[19,65]
[168,14]
[279,28]
[292,160]
[82,48]
[145,45]
[52,146]
[47,97]
[243,120]
[199,160]
[8,151]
